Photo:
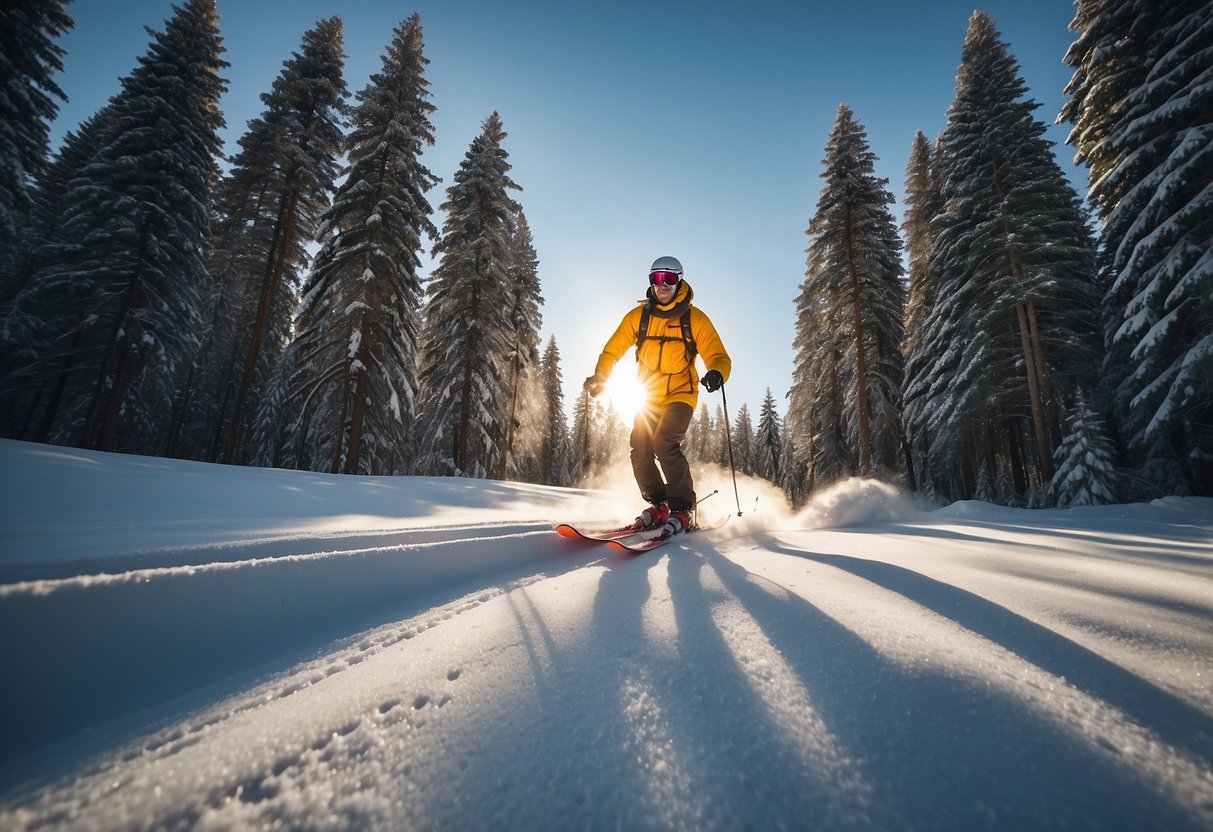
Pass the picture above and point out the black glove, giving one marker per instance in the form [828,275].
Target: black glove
[593,385]
[713,381]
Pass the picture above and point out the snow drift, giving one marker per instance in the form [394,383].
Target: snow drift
[205,647]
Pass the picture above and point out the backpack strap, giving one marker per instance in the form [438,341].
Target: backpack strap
[687,337]
[643,331]
[688,340]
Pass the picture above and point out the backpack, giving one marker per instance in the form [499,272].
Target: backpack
[688,340]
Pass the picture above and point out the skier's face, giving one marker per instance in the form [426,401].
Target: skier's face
[664,292]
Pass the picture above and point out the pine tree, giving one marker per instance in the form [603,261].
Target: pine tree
[816,417]
[793,473]
[468,329]
[359,320]
[768,442]
[269,207]
[35,363]
[1086,468]
[1141,106]
[554,451]
[1014,322]
[923,206]
[743,441]
[582,439]
[29,59]
[984,490]
[522,355]
[853,302]
[118,285]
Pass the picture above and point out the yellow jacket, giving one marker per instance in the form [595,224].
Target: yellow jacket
[662,364]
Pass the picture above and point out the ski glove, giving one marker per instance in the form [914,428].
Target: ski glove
[593,385]
[713,381]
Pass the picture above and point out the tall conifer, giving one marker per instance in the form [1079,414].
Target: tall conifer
[522,356]
[269,208]
[29,59]
[1014,321]
[265,209]
[1141,106]
[356,386]
[124,273]
[554,453]
[854,298]
[468,329]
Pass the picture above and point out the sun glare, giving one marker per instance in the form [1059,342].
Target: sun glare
[625,392]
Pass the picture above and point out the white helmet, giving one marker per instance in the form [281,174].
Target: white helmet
[666,264]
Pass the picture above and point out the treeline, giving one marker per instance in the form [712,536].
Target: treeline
[154,305]
[1006,341]
[1024,359]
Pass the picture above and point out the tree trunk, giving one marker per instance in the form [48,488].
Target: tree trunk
[339,436]
[1042,375]
[861,367]
[465,407]
[280,241]
[1018,470]
[52,407]
[360,394]
[1045,452]
[508,440]
[109,424]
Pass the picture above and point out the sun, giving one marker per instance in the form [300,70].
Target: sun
[624,391]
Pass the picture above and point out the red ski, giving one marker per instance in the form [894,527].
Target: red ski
[567,530]
[652,538]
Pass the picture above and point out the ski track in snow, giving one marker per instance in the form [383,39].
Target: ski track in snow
[959,670]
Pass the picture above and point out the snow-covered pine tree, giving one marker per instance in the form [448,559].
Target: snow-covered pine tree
[554,451]
[467,326]
[1141,106]
[582,439]
[267,209]
[815,411]
[923,205]
[359,320]
[854,269]
[1004,492]
[1086,467]
[702,448]
[768,441]
[719,441]
[29,59]
[522,355]
[743,440]
[1014,322]
[793,473]
[35,362]
[123,272]
[984,490]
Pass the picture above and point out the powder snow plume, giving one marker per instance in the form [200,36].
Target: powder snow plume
[856,502]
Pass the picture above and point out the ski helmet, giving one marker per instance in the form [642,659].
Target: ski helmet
[666,264]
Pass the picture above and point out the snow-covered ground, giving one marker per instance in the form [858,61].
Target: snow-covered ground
[198,646]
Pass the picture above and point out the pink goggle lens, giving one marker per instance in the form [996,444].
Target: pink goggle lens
[668,278]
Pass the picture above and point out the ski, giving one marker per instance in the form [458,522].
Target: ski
[598,535]
[647,540]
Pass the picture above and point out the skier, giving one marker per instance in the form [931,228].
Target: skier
[667,332]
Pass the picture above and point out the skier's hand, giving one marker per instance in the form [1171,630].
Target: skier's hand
[713,381]
[594,386]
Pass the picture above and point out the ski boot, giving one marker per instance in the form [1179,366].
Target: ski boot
[652,517]
[677,523]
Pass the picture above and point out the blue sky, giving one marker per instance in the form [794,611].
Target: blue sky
[638,129]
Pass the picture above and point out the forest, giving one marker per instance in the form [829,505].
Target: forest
[1008,340]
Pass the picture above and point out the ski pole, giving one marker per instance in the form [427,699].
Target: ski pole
[728,435]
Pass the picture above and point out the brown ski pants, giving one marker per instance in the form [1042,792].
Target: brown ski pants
[657,438]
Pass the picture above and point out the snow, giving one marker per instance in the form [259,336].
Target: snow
[210,647]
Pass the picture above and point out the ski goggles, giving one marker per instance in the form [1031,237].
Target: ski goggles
[664,278]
